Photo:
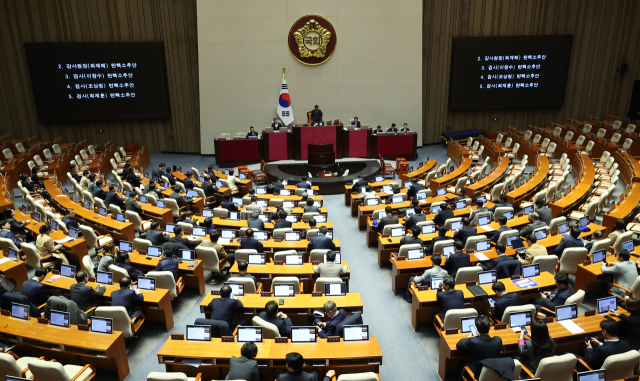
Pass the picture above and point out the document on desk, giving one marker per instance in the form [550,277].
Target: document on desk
[571,326]
[481,256]
[193,362]
[4,260]
[224,241]
[64,240]
[488,228]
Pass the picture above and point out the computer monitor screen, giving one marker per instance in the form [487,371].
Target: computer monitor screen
[337,260]
[103,277]
[448,250]
[283,290]
[455,225]
[187,255]
[207,213]
[510,240]
[237,289]
[335,289]
[397,232]
[410,212]
[192,194]
[59,319]
[199,232]
[509,215]
[379,179]
[531,270]
[145,283]
[483,245]
[126,246]
[87,205]
[382,214]
[288,204]
[329,234]
[441,191]
[387,189]
[237,201]
[598,256]
[13,254]
[101,325]
[120,217]
[435,283]
[311,192]
[607,304]
[528,209]
[292,236]
[293,259]
[228,234]
[198,333]
[54,224]
[249,334]
[541,234]
[160,204]
[569,311]
[467,323]
[428,229]
[482,221]
[303,334]
[372,201]
[68,271]
[563,228]
[487,277]
[261,236]
[319,218]
[461,204]
[421,195]
[628,246]
[415,254]
[519,319]
[408,184]
[481,198]
[36,217]
[261,191]
[262,204]
[20,311]
[233,216]
[102,212]
[397,199]
[435,209]
[584,221]
[256,259]
[594,375]
[143,199]
[263,217]
[358,332]
[292,219]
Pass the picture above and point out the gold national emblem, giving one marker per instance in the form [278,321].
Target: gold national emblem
[312,40]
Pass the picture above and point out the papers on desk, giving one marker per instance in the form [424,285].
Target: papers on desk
[65,239]
[224,241]
[193,362]
[634,228]
[192,238]
[488,228]
[53,278]
[4,260]
[571,326]
[524,283]
[60,195]
[481,257]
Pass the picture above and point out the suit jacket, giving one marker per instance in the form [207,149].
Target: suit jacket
[181,201]
[433,243]
[83,295]
[157,173]
[409,239]
[567,242]
[316,115]
[254,133]
[255,223]
[284,325]
[113,198]
[277,184]
[625,274]
[133,180]
[76,176]
[126,298]
[391,129]
[501,304]
[35,291]
[156,237]
[224,308]
[321,242]
[483,209]
[496,234]
[630,329]
[531,227]
[330,270]
[132,205]
[561,295]
[414,219]
[442,216]
[99,193]
[184,241]
[463,234]
[330,328]
[388,220]
[545,214]
[299,376]
[532,252]
[311,209]
[8,234]
[357,124]
[229,205]
[457,261]
[133,273]
[492,263]
[361,183]
[501,205]
[282,224]
[450,300]
[276,126]
[303,185]
[595,356]
[480,348]
[209,189]
[415,188]
[169,264]
[251,243]
[188,183]
[242,368]
[71,222]
[16,226]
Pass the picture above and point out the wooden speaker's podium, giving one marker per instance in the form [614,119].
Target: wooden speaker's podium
[321,154]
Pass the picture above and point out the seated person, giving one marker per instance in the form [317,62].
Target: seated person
[481,347]
[624,273]
[502,222]
[188,181]
[392,128]
[294,372]
[244,367]
[113,198]
[460,196]
[124,261]
[458,259]
[126,297]
[480,208]
[281,220]
[596,351]
[252,132]
[389,219]
[249,242]
[328,328]
[225,306]
[550,301]
[330,269]
[178,238]
[34,290]
[312,226]
[412,237]
[84,295]
[228,204]
[501,250]
[276,125]
[502,300]
[214,235]
[277,318]
[254,222]
[378,129]
[537,348]
[443,215]
[321,241]
[449,297]
[595,237]
[311,208]
[628,325]
[98,191]
[356,122]
[532,251]
[208,187]
[405,128]
[303,184]
[156,235]
[361,182]
[188,218]
[6,233]
[418,216]
[442,236]
[108,257]
[567,242]
[168,263]
[242,273]
[70,220]
[414,188]
[545,213]
[503,203]
[534,223]
[434,272]
[465,232]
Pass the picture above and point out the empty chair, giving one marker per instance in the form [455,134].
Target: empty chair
[209,258]
[437,247]
[165,279]
[467,274]
[249,284]
[368,376]
[287,280]
[281,256]
[547,263]
[118,273]
[12,365]
[580,140]
[121,320]
[172,376]
[501,211]
[93,239]
[243,254]
[88,265]
[615,138]
[488,374]
[556,368]
[280,233]
[321,281]
[54,371]
[316,255]
[570,260]
[601,132]
[269,331]
[630,128]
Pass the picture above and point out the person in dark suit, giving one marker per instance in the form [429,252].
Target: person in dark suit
[311,208]
[252,132]
[572,241]
[294,372]
[534,223]
[340,171]
[98,191]
[177,238]
[282,221]
[444,214]
[414,188]
[442,235]
[565,290]
[392,128]
[133,180]
[479,208]
[126,170]
[113,198]
[17,227]
[503,203]
[181,201]
[228,204]
[35,291]
[188,219]
[465,232]
[356,122]
[6,233]
[418,216]
[168,263]
[537,348]
[502,300]
[326,329]
[279,319]
[74,173]
[321,241]
[629,325]
[127,298]
[316,114]
[361,182]
[131,203]
[412,237]
[70,219]
[188,182]
[502,221]
[460,195]
[276,125]
[596,352]
[278,184]
[170,177]
[224,307]
[208,188]
[158,172]
[255,222]
[449,297]
[303,184]
[84,295]
[481,347]
[405,128]
[244,367]
[458,259]
[389,219]
[544,211]
[123,260]
[595,237]
[249,242]
[501,250]
[155,235]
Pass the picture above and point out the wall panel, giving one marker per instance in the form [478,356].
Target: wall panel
[604,35]
[173,22]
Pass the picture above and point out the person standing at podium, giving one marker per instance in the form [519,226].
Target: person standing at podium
[356,122]
[392,128]
[316,115]
[252,132]
[276,125]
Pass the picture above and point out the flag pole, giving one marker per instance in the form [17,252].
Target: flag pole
[285,76]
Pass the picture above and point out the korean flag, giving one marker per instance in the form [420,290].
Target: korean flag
[285,111]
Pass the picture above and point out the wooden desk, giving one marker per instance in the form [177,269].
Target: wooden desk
[16,271]
[625,210]
[157,304]
[629,170]
[265,274]
[68,345]
[268,226]
[581,191]
[486,184]
[451,177]
[365,212]
[424,303]
[593,273]
[389,245]
[198,202]
[299,308]
[456,151]
[355,200]
[193,278]
[375,185]
[420,172]
[530,187]
[6,200]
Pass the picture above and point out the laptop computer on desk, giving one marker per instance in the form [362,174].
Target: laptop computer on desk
[518,246]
